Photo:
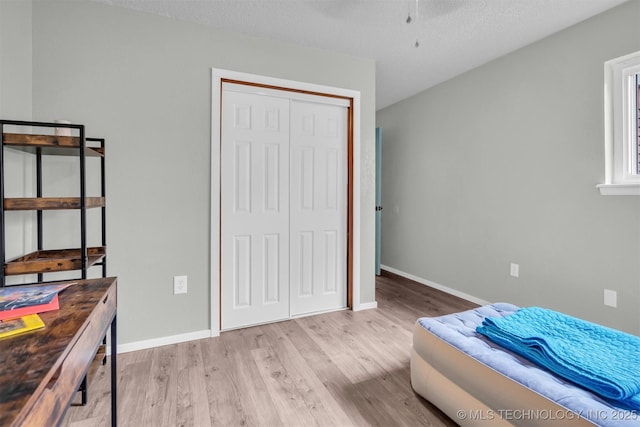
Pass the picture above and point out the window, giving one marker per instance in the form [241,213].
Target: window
[622,126]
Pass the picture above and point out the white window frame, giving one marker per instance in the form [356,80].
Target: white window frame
[620,127]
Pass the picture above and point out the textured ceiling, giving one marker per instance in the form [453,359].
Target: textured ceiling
[454,35]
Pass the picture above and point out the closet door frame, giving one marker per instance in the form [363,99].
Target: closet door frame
[221,77]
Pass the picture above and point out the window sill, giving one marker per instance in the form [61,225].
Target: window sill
[619,189]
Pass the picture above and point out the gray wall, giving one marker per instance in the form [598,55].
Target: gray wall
[144,83]
[15,58]
[500,165]
[16,102]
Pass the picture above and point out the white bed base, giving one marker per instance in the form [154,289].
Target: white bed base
[473,394]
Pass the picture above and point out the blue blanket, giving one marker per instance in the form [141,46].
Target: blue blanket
[601,359]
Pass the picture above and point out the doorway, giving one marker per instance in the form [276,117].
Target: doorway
[378,199]
[270,248]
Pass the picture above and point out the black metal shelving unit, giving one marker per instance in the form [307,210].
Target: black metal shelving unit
[44,261]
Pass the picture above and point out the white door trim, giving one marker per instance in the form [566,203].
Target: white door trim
[217,75]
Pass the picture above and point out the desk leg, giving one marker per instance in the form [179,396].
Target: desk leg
[114,374]
[83,390]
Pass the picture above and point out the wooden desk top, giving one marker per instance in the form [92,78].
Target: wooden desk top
[31,363]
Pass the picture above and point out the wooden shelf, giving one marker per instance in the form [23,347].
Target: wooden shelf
[48,144]
[53,260]
[50,203]
[98,360]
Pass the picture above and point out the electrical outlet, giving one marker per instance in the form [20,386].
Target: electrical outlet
[515,270]
[610,298]
[179,285]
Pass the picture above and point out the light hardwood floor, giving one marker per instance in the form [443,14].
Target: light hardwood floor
[335,369]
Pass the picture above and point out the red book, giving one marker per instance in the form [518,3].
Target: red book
[32,309]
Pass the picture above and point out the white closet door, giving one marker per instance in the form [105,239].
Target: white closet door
[318,223]
[254,209]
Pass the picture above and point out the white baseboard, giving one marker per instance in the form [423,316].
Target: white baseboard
[197,335]
[366,306]
[191,336]
[159,342]
[435,285]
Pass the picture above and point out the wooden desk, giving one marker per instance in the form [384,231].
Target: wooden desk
[41,371]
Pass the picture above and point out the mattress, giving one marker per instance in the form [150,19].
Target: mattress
[477,382]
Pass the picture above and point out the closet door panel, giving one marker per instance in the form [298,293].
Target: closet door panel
[318,207]
[254,209]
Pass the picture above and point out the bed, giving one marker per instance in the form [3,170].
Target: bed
[477,382]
